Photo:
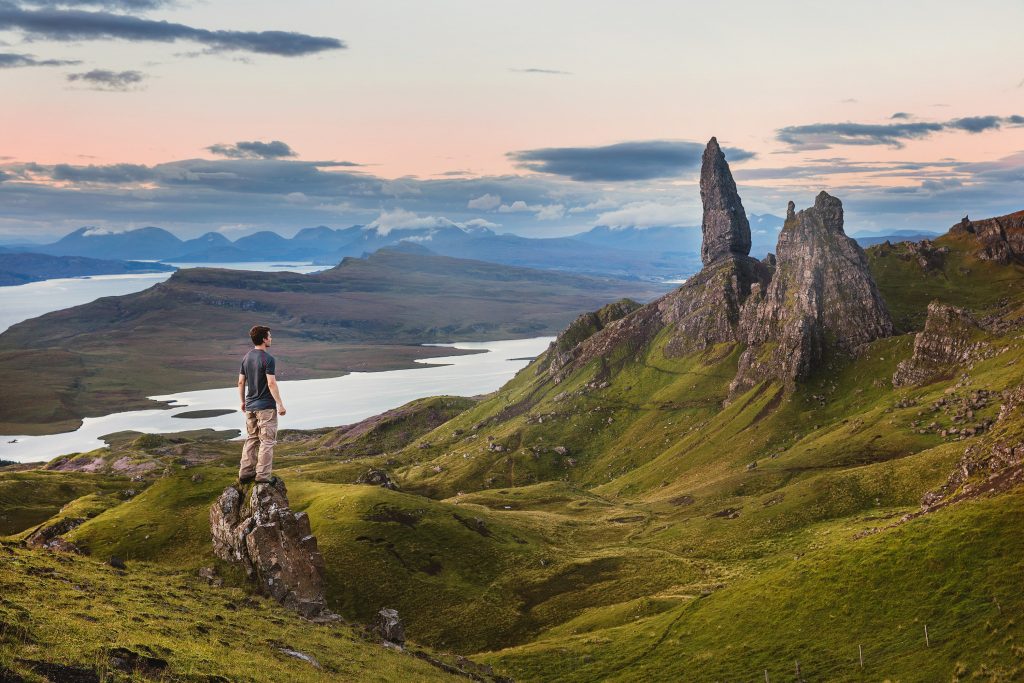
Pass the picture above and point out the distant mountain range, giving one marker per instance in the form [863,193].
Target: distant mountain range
[21,268]
[656,253]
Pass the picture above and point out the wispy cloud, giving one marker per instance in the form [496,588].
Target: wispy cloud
[625,161]
[254,149]
[11,60]
[103,79]
[193,196]
[75,25]
[129,5]
[825,135]
[549,72]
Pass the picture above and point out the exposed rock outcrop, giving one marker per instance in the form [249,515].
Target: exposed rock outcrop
[821,298]
[51,536]
[565,347]
[927,255]
[706,310]
[1000,239]
[388,626]
[377,477]
[274,544]
[947,343]
[725,225]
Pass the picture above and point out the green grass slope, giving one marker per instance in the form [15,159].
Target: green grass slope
[73,611]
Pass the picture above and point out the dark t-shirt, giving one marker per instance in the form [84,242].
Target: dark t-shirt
[256,365]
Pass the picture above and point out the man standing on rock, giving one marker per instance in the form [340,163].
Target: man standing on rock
[261,403]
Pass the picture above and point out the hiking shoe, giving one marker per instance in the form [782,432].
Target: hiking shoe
[242,481]
[273,480]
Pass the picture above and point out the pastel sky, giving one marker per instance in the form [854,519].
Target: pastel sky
[540,118]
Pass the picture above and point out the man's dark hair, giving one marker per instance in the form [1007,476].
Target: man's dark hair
[259,334]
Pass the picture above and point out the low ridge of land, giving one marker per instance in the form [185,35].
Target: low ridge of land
[189,332]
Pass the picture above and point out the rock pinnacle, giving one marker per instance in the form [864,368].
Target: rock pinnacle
[725,226]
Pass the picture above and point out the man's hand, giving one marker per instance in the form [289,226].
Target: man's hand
[281,410]
[243,406]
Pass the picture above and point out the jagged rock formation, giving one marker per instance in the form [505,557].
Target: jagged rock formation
[565,347]
[821,298]
[1001,239]
[725,226]
[274,544]
[947,343]
[706,309]
[814,296]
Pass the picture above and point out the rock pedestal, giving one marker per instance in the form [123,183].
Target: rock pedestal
[274,544]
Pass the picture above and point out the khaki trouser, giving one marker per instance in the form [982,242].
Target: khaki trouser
[258,451]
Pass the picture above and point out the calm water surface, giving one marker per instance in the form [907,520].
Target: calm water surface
[311,403]
[36,298]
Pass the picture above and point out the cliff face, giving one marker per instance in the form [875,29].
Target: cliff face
[999,239]
[815,296]
[821,297]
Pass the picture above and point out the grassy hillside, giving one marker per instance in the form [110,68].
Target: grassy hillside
[176,626]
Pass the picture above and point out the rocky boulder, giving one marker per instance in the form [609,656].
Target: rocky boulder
[822,298]
[725,226]
[388,627]
[274,545]
[948,342]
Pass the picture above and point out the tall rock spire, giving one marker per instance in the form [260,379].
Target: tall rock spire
[725,226]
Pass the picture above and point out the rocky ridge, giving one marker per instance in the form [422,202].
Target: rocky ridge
[1000,239]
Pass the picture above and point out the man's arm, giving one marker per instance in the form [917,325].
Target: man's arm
[272,385]
[241,390]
